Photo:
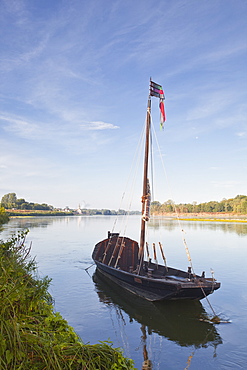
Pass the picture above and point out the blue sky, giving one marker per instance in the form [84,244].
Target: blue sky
[74,87]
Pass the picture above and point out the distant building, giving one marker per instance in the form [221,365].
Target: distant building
[79,210]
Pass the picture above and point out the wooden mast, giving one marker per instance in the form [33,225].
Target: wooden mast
[145,181]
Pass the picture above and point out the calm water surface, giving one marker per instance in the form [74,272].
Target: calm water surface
[171,334]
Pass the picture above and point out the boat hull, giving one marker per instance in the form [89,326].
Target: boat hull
[155,289]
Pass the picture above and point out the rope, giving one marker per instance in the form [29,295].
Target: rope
[174,206]
[152,160]
[178,219]
[133,169]
[87,268]
[134,166]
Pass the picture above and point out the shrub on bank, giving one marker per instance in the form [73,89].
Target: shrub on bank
[32,335]
[3,216]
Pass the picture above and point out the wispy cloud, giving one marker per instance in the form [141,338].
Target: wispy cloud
[209,104]
[215,168]
[242,134]
[99,125]
[34,166]
[52,138]
[21,128]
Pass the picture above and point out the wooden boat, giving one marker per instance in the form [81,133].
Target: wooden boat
[122,260]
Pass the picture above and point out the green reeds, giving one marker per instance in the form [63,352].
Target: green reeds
[32,335]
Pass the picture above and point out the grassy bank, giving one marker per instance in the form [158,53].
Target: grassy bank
[213,219]
[205,216]
[33,213]
[34,336]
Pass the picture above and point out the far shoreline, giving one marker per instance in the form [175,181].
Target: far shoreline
[204,216]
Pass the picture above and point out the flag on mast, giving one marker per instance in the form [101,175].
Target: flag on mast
[157,91]
[162,113]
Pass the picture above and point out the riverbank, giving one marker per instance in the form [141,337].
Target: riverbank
[32,334]
[205,216]
[35,213]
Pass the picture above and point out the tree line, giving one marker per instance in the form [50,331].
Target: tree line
[105,212]
[232,205]
[10,201]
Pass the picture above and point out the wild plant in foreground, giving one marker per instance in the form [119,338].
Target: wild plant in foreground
[32,335]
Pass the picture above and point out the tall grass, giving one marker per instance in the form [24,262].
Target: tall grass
[32,335]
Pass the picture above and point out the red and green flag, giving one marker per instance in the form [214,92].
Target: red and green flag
[157,91]
[162,113]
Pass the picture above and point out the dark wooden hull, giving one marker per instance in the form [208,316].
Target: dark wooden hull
[154,289]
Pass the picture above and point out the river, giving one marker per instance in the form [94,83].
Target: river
[171,335]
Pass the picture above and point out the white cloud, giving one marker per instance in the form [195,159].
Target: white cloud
[99,125]
[241,134]
[214,168]
[209,104]
[20,127]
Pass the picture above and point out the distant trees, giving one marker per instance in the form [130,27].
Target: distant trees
[105,212]
[10,201]
[233,205]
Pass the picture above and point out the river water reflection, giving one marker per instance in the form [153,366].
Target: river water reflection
[170,334]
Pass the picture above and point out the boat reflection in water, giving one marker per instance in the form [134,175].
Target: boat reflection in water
[180,322]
